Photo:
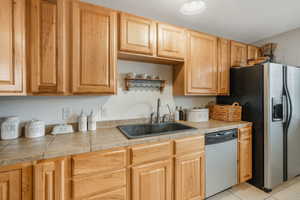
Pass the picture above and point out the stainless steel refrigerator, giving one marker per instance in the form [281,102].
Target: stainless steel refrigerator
[270,96]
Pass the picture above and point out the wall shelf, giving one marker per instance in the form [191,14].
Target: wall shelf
[145,83]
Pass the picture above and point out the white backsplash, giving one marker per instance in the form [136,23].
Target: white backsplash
[131,104]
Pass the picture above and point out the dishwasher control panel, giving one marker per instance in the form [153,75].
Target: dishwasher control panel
[220,136]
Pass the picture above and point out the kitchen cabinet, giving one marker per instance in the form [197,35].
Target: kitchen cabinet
[223,66]
[51,180]
[170,41]
[12,52]
[238,54]
[47,46]
[16,182]
[137,34]
[94,49]
[190,169]
[201,64]
[152,181]
[245,154]
[252,52]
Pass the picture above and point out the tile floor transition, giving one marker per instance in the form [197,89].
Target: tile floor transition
[287,191]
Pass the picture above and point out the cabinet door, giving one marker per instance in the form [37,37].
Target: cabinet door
[171,41]
[94,49]
[137,34]
[12,43]
[245,154]
[49,180]
[47,47]
[10,185]
[238,54]
[190,177]
[201,64]
[252,52]
[152,181]
[223,66]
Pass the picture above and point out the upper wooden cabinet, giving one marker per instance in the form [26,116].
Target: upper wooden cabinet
[201,64]
[12,51]
[47,46]
[245,154]
[50,180]
[238,54]
[94,49]
[223,66]
[252,52]
[170,41]
[137,34]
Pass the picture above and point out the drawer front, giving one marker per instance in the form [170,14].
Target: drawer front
[112,195]
[95,184]
[245,133]
[152,152]
[99,162]
[189,145]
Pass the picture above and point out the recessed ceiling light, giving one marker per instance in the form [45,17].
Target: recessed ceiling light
[193,7]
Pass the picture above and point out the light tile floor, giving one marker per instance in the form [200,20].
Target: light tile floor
[287,191]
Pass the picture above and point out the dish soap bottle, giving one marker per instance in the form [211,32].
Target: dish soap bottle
[92,122]
[82,122]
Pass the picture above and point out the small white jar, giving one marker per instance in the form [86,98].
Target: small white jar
[82,122]
[92,122]
[10,128]
[34,129]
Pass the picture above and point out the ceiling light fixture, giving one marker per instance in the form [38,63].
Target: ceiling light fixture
[193,7]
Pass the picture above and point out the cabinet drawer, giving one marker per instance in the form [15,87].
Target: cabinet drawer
[146,153]
[99,162]
[95,184]
[245,133]
[189,145]
[112,195]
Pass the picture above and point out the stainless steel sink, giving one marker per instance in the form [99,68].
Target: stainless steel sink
[147,130]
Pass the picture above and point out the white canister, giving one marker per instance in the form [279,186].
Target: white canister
[10,128]
[198,115]
[34,129]
[82,122]
[92,122]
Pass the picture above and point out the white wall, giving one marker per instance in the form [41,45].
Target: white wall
[288,50]
[125,105]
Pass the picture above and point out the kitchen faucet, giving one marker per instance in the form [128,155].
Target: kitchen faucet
[157,118]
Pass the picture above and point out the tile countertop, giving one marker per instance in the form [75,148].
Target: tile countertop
[49,146]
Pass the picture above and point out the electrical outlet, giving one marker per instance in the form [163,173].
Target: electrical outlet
[66,113]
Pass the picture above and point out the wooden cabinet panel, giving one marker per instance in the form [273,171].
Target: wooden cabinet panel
[170,41]
[238,54]
[47,37]
[151,152]
[189,145]
[245,154]
[112,195]
[10,185]
[97,183]
[223,66]
[50,180]
[94,49]
[190,177]
[137,34]
[152,181]
[99,162]
[12,42]
[201,64]
[252,52]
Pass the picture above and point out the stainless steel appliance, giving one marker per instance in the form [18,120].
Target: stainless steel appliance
[221,161]
[270,96]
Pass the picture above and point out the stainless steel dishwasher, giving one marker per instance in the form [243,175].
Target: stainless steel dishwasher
[221,161]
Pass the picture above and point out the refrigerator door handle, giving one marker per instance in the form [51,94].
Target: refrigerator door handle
[284,109]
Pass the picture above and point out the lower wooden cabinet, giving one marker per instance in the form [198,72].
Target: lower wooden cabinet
[10,185]
[190,177]
[152,181]
[245,154]
[50,180]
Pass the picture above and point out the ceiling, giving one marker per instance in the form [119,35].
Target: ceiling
[243,20]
